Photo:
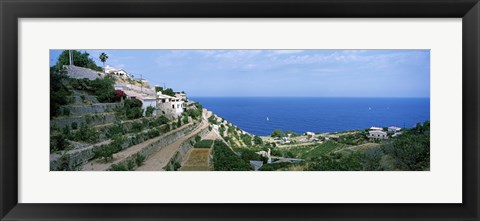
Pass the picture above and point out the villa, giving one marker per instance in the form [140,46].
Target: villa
[117,72]
[377,134]
[172,106]
[181,95]
[393,129]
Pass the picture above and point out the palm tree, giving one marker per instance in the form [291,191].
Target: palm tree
[103,57]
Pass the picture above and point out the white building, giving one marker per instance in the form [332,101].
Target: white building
[172,106]
[149,102]
[310,135]
[376,134]
[181,95]
[394,129]
[117,72]
[376,128]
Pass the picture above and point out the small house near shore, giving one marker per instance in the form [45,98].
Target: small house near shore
[393,129]
[377,134]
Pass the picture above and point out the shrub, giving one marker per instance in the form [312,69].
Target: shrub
[118,167]
[86,134]
[120,95]
[159,121]
[337,162]
[131,164]
[59,142]
[103,89]
[277,133]
[276,166]
[185,120]
[247,139]
[136,127]
[133,113]
[139,159]
[257,140]
[176,166]
[153,133]
[204,144]
[179,122]
[149,111]
[66,111]
[130,109]
[212,119]
[116,129]
[225,159]
[74,125]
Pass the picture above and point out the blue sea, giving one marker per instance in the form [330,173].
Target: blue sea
[317,114]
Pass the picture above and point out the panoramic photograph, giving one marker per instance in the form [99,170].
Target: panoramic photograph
[239,110]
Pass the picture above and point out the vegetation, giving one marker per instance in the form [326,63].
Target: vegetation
[277,133]
[105,152]
[59,142]
[103,57]
[102,88]
[292,134]
[195,113]
[204,144]
[167,91]
[59,92]
[212,119]
[257,140]
[407,152]
[246,139]
[411,150]
[276,166]
[149,111]
[225,159]
[79,59]
[85,134]
[130,109]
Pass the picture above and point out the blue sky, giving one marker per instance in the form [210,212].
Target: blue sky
[278,73]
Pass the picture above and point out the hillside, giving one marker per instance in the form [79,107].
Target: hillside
[103,121]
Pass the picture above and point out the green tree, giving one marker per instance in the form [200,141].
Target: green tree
[79,59]
[103,57]
[277,133]
[169,92]
[59,92]
[257,140]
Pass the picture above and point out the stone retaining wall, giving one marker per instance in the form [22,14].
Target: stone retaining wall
[95,119]
[91,109]
[166,140]
[74,159]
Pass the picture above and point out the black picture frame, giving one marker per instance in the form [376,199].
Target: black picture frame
[12,10]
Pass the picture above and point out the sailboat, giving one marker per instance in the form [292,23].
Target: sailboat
[267,119]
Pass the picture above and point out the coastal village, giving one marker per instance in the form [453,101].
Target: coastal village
[153,128]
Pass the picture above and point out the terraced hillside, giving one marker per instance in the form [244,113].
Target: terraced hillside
[95,128]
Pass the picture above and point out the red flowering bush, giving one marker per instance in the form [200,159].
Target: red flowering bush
[119,95]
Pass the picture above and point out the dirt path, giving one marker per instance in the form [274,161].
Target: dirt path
[160,159]
[99,165]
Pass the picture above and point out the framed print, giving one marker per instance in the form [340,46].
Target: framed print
[146,110]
